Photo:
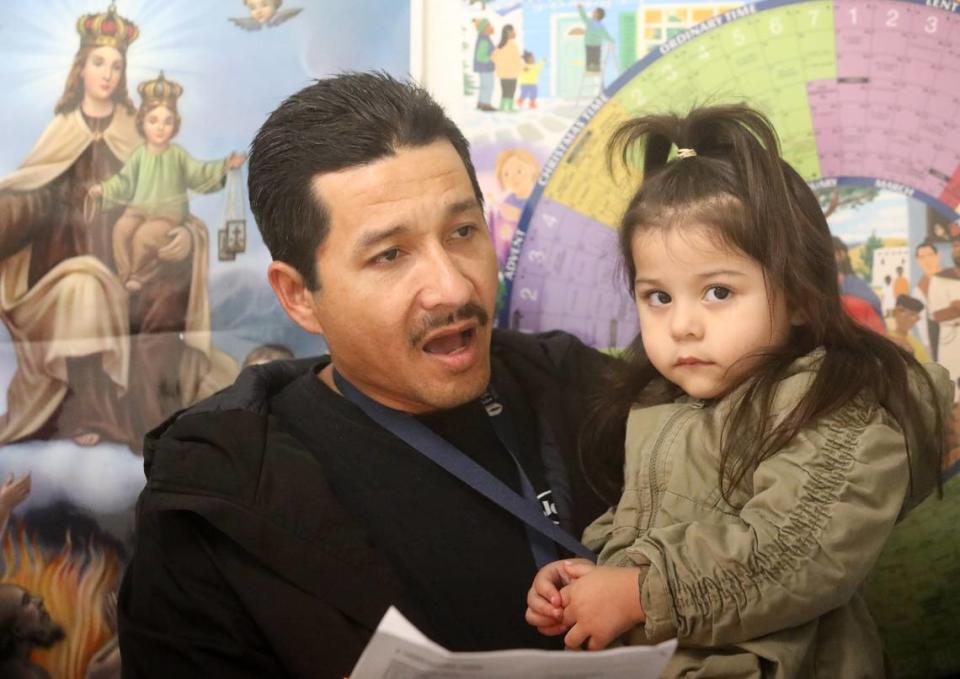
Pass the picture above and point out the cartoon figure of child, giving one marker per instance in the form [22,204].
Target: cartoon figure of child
[517,171]
[906,314]
[528,79]
[153,184]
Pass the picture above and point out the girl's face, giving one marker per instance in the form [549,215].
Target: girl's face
[102,72]
[261,11]
[158,125]
[703,307]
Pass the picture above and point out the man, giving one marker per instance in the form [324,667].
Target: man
[929,260]
[24,626]
[283,516]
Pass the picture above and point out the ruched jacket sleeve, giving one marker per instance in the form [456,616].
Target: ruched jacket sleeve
[820,512]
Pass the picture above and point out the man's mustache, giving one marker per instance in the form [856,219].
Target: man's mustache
[466,312]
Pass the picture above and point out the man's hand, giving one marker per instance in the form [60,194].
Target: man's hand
[600,603]
[544,607]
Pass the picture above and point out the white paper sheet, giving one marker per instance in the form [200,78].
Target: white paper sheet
[398,650]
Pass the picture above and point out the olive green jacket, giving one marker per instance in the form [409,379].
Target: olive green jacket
[772,589]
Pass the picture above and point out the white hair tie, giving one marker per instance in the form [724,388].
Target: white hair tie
[686,153]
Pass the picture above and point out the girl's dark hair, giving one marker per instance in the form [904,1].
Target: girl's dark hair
[738,185]
[73,89]
[505,34]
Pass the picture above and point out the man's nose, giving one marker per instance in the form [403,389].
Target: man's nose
[445,284]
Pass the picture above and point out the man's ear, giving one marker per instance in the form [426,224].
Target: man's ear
[295,298]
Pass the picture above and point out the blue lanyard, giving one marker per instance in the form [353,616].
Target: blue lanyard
[542,533]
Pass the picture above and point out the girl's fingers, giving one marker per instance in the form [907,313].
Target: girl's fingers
[538,604]
[539,620]
[552,630]
[575,638]
[548,590]
[577,569]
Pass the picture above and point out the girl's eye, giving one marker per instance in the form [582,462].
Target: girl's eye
[658,298]
[387,256]
[717,293]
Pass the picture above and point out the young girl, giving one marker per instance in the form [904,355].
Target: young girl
[771,442]
[153,184]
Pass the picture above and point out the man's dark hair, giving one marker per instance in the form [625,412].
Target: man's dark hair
[926,244]
[601,13]
[349,120]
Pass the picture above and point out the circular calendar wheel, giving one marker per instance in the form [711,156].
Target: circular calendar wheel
[862,92]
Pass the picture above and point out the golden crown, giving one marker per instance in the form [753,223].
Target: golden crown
[107,29]
[160,91]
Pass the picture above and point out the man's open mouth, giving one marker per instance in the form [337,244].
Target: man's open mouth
[447,343]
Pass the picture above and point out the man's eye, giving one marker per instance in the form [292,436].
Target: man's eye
[387,256]
[658,298]
[717,293]
[464,231]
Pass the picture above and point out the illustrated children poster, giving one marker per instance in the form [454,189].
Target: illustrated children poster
[864,96]
[123,296]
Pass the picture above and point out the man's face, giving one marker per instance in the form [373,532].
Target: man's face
[408,279]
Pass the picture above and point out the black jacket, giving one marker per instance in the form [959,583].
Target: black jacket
[246,565]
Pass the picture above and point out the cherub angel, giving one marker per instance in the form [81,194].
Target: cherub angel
[265,13]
